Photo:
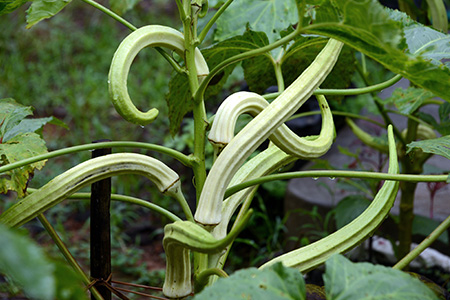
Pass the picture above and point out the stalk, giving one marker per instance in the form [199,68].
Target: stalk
[334,174]
[200,119]
[67,255]
[184,159]
[407,195]
[130,26]
[404,262]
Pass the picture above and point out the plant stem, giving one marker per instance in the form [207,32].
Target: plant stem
[242,56]
[279,76]
[68,256]
[200,120]
[338,113]
[349,92]
[130,26]
[409,116]
[111,14]
[423,245]
[408,189]
[128,199]
[213,20]
[334,174]
[184,159]
[380,107]
[205,275]
[181,10]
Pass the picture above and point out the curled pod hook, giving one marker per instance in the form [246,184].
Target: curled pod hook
[147,36]
[222,130]
[209,209]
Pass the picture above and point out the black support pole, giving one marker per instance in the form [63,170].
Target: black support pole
[100,251]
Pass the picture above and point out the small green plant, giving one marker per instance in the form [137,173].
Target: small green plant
[307,50]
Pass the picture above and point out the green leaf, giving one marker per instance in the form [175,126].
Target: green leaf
[223,50]
[44,9]
[11,113]
[407,101]
[443,127]
[359,281]
[40,278]
[366,26]
[18,141]
[439,146]
[7,6]
[270,17]
[429,43]
[179,99]
[259,70]
[304,50]
[26,264]
[444,114]
[273,283]
[122,6]
[17,148]
[349,209]
[27,125]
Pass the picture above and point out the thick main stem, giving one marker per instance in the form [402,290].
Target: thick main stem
[407,196]
[200,120]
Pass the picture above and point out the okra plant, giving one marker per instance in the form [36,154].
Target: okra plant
[311,45]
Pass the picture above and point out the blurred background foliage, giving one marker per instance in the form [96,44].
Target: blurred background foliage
[60,67]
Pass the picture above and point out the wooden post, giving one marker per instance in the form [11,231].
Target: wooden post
[100,251]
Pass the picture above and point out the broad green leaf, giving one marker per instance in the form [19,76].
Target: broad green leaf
[248,41]
[304,50]
[443,127]
[259,70]
[407,101]
[11,113]
[18,141]
[7,6]
[439,146]
[44,9]
[438,290]
[268,16]
[429,43]
[360,281]
[179,99]
[40,278]
[349,209]
[122,6]
[444,114]
[273,283]
[26,264]
[17,148]
[366,26]
[31,125]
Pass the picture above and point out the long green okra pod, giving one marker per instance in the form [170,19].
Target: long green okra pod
[259,129]
[349,236]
